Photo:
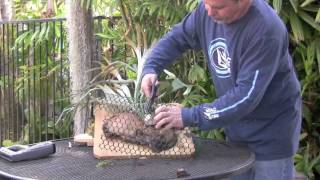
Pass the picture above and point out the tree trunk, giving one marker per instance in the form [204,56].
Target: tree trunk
[3,11]
[80,39]
[6,10]
[50,6]
[49,13]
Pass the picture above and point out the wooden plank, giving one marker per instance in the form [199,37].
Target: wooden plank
[110,148]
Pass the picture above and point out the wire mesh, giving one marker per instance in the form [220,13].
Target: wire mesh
[129,129]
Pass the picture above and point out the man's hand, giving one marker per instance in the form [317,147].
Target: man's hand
[146,84]
[168,117]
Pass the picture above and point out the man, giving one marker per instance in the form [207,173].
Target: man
[259,101]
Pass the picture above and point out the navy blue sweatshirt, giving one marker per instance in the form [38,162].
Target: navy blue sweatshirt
[259,100]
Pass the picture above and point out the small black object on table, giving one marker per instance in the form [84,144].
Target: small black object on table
[212,160]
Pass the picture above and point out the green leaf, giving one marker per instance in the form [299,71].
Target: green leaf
[295,4]
[314,162]
[307,2]
[191,5]
[35,35]
[310,20]
[20,39]
[41,35]
[104,164]
[277,5]
[192,100]
[170,75]
[311,8]
[296,26]
[188,90]
[82,2]
[298,157]
[318,16]
[204,134]
[48,28]
[7,143]
[303,136]
[50,124]
[305,159]
[105,36]
[311,55]
[88,4]
[196,73]
[317,49]
[177,84]
[211,135]
[202,89]
[306,113]
[219,134]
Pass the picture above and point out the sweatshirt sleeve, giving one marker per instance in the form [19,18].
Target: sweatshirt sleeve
[182,37]
[258,65]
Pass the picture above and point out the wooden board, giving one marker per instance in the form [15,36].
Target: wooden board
[110,148]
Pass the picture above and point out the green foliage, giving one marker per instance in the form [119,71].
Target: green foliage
[38,70]
[7,143]
[104,164]
[197,74]
[38,129]
[307,162]
[155,17]
[141,23]
[28,9]
[217,134]
[302,20]
[36,9]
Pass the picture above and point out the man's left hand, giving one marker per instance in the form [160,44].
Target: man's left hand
[168,117]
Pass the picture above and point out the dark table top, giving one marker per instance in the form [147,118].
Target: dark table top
[212,160]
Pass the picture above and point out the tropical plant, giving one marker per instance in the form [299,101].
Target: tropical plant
[133,37]
[302,18]
[307,162]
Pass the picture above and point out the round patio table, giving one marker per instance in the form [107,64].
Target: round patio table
[212,160]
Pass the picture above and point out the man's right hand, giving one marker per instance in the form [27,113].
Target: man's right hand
[146,84]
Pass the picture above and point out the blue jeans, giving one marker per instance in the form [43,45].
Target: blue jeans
[280,169]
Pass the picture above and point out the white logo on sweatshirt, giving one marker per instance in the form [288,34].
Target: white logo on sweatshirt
[219,57]
[211,113]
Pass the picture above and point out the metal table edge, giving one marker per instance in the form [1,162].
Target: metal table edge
[10,176]
[247,165]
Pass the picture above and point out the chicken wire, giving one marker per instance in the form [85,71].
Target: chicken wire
[131,123]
